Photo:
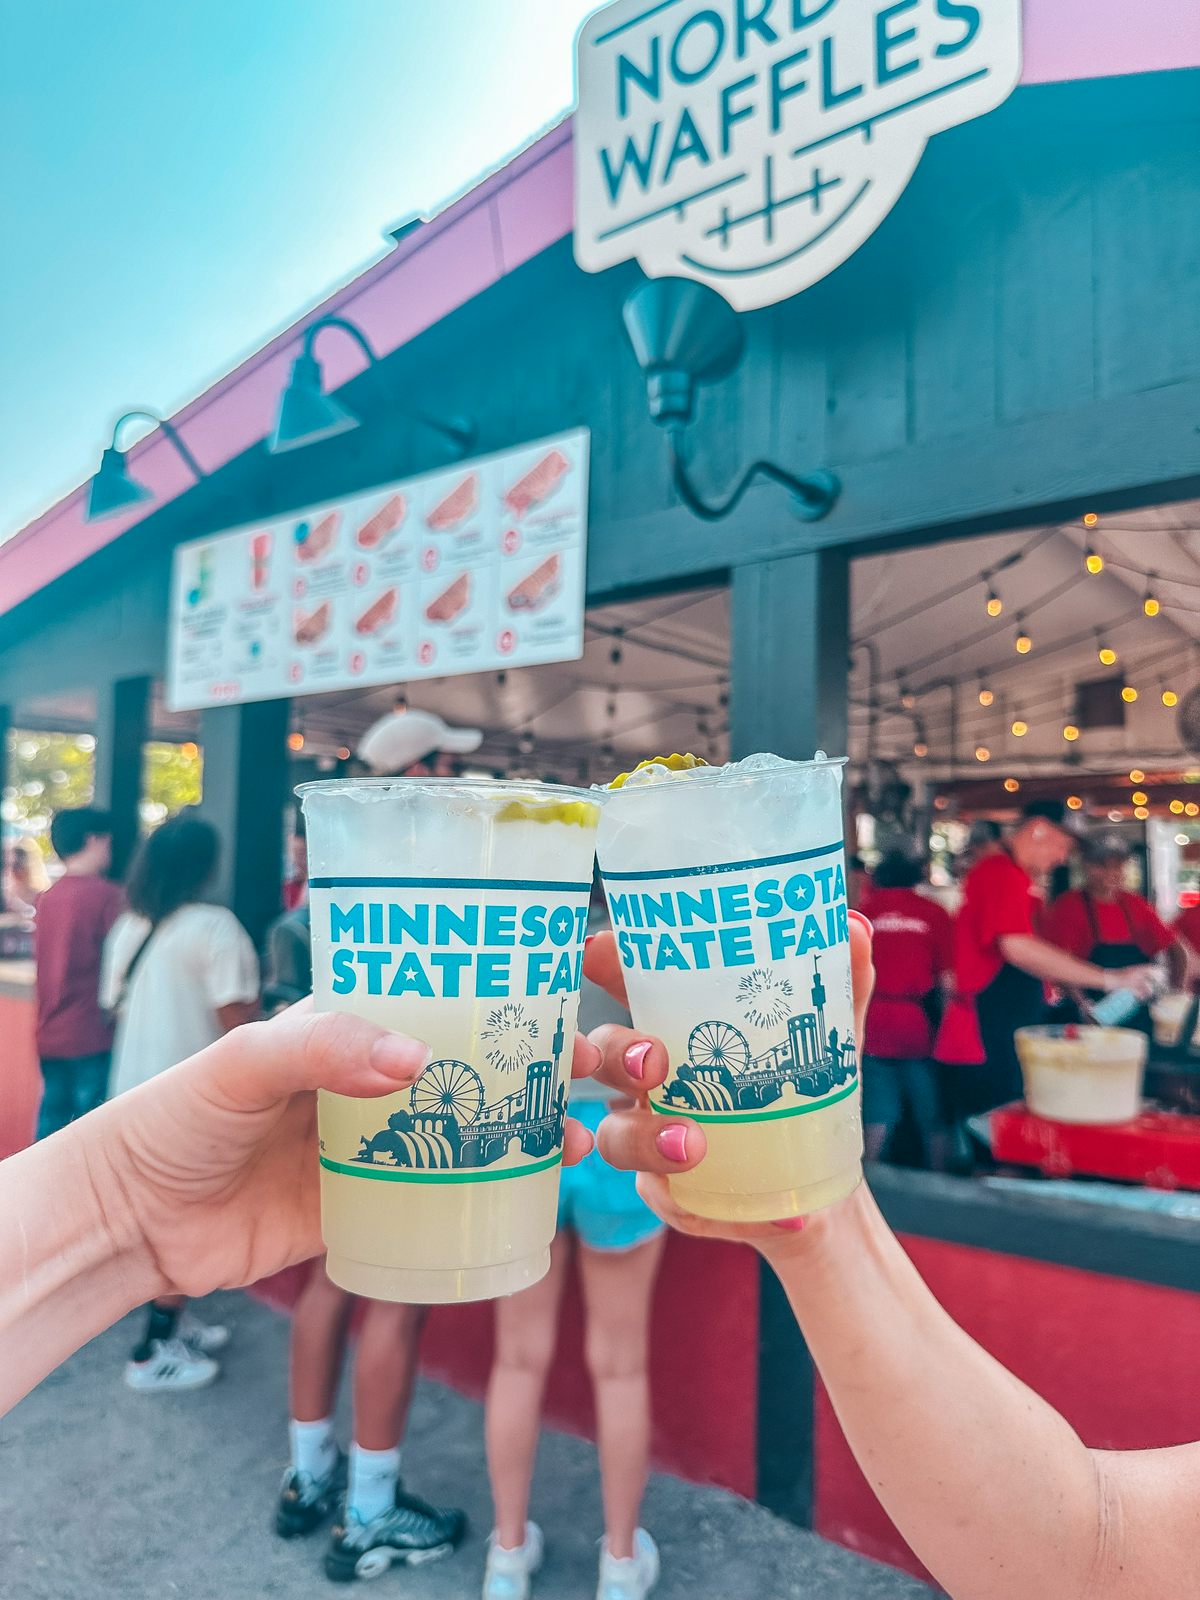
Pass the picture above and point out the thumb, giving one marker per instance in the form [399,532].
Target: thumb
[261,1063]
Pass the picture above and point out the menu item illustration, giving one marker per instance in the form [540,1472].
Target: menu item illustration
[310,626]
[537,588]
[538,484]
[260,560]
[315,539]
[452,601]
[378,529]
[456,507]
[379,613]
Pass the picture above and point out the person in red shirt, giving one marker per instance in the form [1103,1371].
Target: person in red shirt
[914,957]
[1107,925]
[1187,928]
[74,1036]
[1002,963]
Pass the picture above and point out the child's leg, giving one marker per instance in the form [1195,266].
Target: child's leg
[526,1333]
[320,1319]
[618,1287]
[385,1369]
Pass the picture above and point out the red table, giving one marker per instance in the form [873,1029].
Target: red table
[1160,1149]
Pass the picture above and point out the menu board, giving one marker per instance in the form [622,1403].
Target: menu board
[470,568]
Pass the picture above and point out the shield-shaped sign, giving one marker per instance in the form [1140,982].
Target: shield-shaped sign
[755,144]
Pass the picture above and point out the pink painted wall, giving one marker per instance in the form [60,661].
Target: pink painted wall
[509,217]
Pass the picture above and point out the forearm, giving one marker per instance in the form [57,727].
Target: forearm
[1047,961]
[990,1486]
[69,1266]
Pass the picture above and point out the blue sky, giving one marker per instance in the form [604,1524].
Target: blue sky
[182,177]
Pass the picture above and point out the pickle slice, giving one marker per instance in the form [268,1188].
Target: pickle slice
[674,763]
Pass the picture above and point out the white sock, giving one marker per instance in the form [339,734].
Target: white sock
[314,1448]
[373,1478]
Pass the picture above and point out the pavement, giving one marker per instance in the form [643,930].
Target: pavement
[108,1494]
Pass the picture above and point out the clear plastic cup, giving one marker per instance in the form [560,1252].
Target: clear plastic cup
[454,911]
[1169,1013]
[726,889]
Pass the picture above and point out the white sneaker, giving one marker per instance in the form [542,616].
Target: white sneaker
[509,1573]
[206,1337]
[632,1577]
[173,1365]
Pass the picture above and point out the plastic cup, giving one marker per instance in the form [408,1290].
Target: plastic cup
[1082,1075]
[456,912]
[727,893]
[1169,1012]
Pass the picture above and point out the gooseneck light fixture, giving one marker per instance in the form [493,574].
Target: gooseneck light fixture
[113,490]
[684,334]
[307,414]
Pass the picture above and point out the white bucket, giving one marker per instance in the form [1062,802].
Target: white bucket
[1083,1074]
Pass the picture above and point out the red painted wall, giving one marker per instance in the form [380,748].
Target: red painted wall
[1117,1358]
[20,1076]
[704,1362]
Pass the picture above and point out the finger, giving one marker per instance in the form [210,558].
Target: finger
[862,969]
[629,1062]
[577,1143]
[641,1141]
[602,965]
[585,1057]
[262,1063]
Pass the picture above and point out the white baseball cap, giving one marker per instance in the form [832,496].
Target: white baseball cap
[401,738]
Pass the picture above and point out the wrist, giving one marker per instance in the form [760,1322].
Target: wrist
[111,1219]
[821,1240]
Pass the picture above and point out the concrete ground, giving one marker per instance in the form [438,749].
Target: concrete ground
[109,1494]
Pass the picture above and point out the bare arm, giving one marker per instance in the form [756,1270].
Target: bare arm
[992,1488]
[236,1013]
[1043,960]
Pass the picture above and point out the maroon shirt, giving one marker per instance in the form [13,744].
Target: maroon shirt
[73,919]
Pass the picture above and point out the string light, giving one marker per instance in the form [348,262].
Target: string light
[1105,653]
[1129,694]
[295,741]
[1150,602]
[1191,809]
[1169,698]
[1140,797]
[1141,813]
[1020,729]
[189,750]
[1090,519]
[400,703]
[1137,776]
[941,802]
[994,603]
[1070,733]
[1011,785]
[343,752]
[1093,561]
[1182,838]
[1022,642]
[1114,816]
[1176,808]
[907,698]
[1074,803]
[920,749]
[986,697]
[982,753]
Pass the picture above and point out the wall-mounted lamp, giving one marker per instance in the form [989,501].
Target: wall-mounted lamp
[112,490]
[306,413]
[684,334]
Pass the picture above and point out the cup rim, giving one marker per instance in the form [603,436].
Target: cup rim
[513,787]
[718,777]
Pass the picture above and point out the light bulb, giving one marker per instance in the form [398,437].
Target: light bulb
[295,741]
[1151,606]
[1191,809]
[1074,803]
[1141,813]
[343,752]
[1020,729]
[994,604]
[907,699]
[920,749]
[1169,697]
[1129,694]
[1176,808]
[986,697]
[1108,656]
[982,753]
[1140,797]
[1070,733]
[1011,785]
[1093,561]
[1137,776]
[1023,643]
[1090,519]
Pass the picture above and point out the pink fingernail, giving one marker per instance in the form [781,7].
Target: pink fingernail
[866,922]
[588,940]
[672,1143]
[635,1059]
[792,1224]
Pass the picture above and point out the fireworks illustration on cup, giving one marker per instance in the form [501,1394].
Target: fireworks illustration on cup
[765,999]
[510,1037]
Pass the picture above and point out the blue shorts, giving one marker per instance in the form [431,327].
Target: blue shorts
[599,1203]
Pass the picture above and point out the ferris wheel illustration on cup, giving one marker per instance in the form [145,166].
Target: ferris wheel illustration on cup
[718,1044]
[448,1089]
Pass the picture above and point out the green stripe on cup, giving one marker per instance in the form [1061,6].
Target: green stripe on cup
[419,1175]
[756,1116]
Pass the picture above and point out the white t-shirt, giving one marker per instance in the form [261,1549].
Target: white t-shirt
[199,959]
